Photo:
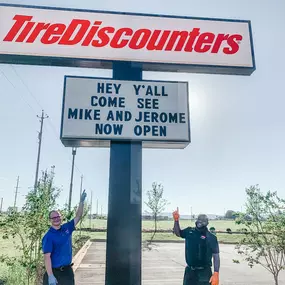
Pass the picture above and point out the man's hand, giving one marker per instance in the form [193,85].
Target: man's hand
[83,196]
[215,279]
[52,280]
[176,215]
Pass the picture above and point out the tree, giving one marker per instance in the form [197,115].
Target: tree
[30,225]
[156,203]
[67,214]
[230,215]
[264,241]
[10,210]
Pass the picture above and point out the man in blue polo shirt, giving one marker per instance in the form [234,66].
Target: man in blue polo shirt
[57,248]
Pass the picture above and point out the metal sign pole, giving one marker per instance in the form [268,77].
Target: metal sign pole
[123,255]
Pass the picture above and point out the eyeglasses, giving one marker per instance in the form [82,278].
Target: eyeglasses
[55,218]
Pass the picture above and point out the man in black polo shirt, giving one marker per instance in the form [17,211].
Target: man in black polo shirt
[57,248]
[200,247]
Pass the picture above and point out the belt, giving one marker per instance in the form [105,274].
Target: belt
[196,267]
[61,268]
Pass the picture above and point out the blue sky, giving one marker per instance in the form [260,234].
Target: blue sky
[237,123]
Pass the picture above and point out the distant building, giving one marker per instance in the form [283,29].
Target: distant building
[146,217]
[149,217]
[168,216]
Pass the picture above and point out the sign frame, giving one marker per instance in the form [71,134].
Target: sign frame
[146,66]
[105,142]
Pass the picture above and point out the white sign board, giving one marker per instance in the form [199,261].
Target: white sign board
[55,36]
[97,110]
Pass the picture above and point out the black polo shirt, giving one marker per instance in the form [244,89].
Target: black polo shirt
[199,248]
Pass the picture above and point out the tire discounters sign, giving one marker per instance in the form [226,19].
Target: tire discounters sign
[97,110]
[55,36]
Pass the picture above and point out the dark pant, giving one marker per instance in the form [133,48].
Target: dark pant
[197,276]
[64,277]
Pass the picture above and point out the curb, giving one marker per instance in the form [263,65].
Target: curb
[98,240]
[166,241]
[80,255]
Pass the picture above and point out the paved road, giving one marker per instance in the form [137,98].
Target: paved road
[164,264]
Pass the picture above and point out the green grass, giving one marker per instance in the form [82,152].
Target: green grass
[168,225]
[8,246]
[164,225]
[223,238]
[14,275]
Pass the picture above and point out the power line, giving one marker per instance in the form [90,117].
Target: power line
[23,98]
[38,103]
[30,92]
[49,121]
[26,86]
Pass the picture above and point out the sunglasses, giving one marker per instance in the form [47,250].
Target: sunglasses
[55,218]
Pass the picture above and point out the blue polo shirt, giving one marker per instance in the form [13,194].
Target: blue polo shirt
[59,244]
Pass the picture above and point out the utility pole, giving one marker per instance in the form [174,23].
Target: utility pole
[91,209]
[1,206]
[16,193]
[81,186]
[71,179]
[97,209]
[39,149]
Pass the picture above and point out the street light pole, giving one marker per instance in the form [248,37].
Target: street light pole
[81,186]
[71,179]
[1,205]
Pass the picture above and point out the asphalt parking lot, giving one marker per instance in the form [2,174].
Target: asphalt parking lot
[165,264]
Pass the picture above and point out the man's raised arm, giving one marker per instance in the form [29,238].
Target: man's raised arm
[176,227]
[79,212]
